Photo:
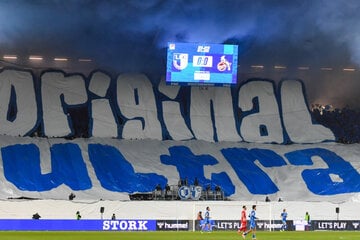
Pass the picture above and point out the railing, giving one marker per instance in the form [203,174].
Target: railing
[172,193]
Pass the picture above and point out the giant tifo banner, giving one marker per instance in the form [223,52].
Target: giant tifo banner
[254,140]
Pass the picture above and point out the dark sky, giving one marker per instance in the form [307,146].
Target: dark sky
[131,35]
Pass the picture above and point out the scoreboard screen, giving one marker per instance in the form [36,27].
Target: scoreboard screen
[201,64]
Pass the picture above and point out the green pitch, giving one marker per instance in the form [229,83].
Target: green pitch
[336,235]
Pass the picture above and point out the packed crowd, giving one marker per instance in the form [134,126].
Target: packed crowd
[344,123]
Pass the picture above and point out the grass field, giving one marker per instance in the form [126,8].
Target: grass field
[333,235]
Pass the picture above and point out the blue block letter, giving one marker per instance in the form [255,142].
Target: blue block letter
[115,173]
[243,162]
[22,167]
[319,181]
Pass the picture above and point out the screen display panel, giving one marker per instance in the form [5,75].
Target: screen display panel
[201,64]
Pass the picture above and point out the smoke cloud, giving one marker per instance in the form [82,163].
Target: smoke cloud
[131,35]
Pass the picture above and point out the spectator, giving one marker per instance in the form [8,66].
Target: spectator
[36,216]
[308,221]
[158,187]
[78,216]
[196,182]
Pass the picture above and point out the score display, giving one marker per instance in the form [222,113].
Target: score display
[201,64]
